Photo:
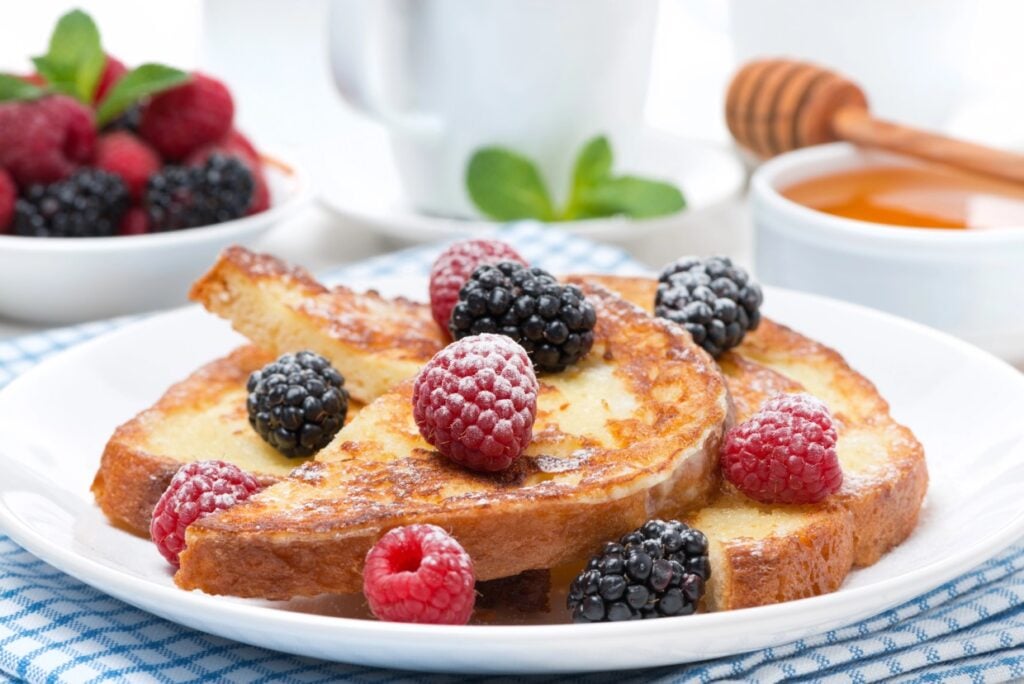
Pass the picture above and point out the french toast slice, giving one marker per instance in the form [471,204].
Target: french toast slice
[201,417]
[631,431]
[766,554]
[375,342]
[760,554]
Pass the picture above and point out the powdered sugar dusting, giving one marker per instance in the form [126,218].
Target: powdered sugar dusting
[554,464]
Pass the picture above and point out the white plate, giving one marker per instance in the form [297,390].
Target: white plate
[361,184]
[963,404]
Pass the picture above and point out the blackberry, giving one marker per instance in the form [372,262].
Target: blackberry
[128,120]
[656,571]
[554,323]
[297,403]
[713,299]
[181,197]
[89,203]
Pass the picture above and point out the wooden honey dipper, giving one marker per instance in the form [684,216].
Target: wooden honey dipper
[777,105]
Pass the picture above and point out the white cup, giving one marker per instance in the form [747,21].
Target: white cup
[447,77]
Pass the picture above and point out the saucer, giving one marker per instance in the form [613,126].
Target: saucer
[360,183]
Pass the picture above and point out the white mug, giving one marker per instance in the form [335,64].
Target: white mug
[447,77]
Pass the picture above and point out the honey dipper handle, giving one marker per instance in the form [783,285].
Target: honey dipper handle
[856,125]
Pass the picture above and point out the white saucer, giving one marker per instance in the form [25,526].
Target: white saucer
[963,404]
[359,182]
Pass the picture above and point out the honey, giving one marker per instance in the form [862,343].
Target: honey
[920,197]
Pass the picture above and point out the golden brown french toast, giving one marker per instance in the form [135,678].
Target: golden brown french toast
[759,554]
[375,342]
[631,431]
[202,417]
[766,554]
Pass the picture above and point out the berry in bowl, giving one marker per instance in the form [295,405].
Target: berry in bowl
[118,185]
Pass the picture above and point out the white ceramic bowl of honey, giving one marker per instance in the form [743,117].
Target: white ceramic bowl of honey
[968,281]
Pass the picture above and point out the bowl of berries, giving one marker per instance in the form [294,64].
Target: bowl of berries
[119,185]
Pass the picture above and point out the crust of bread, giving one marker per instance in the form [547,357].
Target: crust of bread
[885,497]
[143,454]
[805,550]
[631,431]
[131,478]
[375,342]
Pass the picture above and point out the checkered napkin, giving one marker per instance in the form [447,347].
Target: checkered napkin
[55,629]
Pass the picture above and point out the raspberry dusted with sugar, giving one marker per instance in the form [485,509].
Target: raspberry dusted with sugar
[785,453]
[476,401]
[196,489]
[419,573]
[453,267]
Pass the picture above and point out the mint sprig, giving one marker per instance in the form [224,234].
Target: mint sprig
[507,186]
[74,64]
[138,83]
[75,59]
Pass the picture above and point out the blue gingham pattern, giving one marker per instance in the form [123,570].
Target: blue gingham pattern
[56,629]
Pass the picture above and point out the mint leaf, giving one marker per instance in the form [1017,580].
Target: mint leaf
[507,186]
[593,165]
[13,88]
[75,60]
[632,196]
[140,82]
[594,162]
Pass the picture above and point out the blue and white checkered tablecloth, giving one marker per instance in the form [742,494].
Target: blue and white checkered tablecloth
[56,629]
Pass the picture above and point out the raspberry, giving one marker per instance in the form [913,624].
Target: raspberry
[260,192]
[197,489]
[135,222]
[419,573]
[45,140]
[453,267]
[112,73]
[182,119]
[236,141]
[785,453]
[234,144]
[8,196]
[476,401]
[125,155]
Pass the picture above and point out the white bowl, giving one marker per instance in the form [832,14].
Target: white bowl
[55,280]
[966,282]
